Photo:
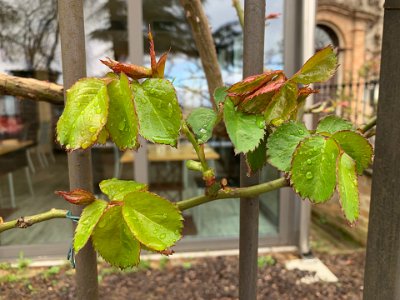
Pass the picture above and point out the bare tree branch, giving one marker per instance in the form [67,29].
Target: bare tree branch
[29,88]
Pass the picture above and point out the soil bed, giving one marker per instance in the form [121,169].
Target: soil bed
[205,278]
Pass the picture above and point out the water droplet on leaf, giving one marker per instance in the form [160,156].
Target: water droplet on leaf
[309,161]
[309,175]
[85,145]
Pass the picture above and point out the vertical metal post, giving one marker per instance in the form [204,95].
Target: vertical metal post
[253,63]
[382,270]
[72,36]
[299,27]
[135,43]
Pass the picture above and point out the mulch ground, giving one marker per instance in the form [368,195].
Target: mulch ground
[205,278]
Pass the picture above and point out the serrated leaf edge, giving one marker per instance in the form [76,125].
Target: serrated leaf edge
[289,174]
[368,143]
[286,122]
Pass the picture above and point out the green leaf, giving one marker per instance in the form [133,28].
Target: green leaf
[313,172]
[332,123]
[257,159]
[202,121]
[114,241]
[320,67]
[348,187]
[282,105]
[155,221]
[220,95]
[283,142]
[356,146]
[85,114]
[116,189]
[158,110]
[90,216]
[122,122]
[244,130]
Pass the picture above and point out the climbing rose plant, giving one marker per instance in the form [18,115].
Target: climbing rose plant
[260,114]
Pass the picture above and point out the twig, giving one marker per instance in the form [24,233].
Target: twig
[371,123]
[245,192]
[239,10]
[199,150]
[24,222]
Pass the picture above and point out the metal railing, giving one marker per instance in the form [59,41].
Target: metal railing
[355,101]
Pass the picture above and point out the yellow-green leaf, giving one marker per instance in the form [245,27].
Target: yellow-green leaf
[116,189]
[85,114]
[320,67]
[90,216]
[348,187]
[114,241]
[158,110]
[156,222]
[122,122]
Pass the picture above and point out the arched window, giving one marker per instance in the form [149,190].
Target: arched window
[325,36]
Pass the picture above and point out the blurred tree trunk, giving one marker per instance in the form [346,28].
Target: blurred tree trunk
[205,44]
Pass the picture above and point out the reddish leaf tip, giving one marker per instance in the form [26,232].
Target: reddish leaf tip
[77,196]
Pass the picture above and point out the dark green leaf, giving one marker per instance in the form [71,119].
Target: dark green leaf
[257,159]
[332,123]
[282,105]
[244,130]
[356,146]
[158,110]
[282,143]
[85,114]
[90,216]
[116,189]
[348,187]
[202,121]
[313,172]
[320,67]
[114,241]
[122,122]
[155,221]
